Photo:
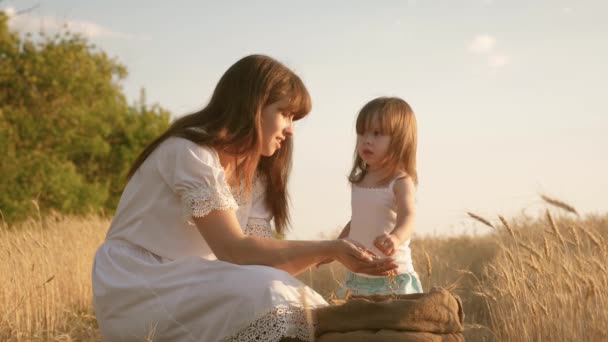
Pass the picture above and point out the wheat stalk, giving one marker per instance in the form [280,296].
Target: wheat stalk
[554,228]
[533,266]
[504,223]
[592,237]
[531,250]
[546,244]
[481,219]
[429,268]
[559,204]
[575,234]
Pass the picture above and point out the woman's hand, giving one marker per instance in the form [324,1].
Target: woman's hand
[326,261]
[387,243]
[358,259]
[357,244]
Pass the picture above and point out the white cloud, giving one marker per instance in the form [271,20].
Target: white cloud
[566,10]
[498,60]
[482,43]
[28,22]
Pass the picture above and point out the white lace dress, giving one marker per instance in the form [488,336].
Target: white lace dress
[156,277]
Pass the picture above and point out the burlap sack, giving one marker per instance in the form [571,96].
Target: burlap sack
[389,336]
[437,312]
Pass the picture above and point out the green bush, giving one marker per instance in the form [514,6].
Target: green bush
[67,134]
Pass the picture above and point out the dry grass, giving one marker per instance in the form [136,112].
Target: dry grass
[551,290]
[46,279]
[527,280]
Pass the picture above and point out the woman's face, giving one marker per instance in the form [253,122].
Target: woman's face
[277,125]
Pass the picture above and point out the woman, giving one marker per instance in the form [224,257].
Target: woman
[188,255]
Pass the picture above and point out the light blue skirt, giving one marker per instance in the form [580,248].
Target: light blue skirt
[403,283]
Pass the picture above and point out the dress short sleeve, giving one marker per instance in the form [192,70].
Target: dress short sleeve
[258,222]
[195,174]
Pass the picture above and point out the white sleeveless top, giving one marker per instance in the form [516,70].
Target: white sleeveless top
[374,212]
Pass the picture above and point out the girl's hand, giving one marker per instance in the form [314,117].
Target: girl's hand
[360,260]
[387,243]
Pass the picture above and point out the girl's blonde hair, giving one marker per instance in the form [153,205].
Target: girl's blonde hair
[395,118]
[231,123]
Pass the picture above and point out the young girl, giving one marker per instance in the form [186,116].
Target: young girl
[383,181]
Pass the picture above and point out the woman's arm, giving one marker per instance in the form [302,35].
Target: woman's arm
[221,230]
[343,234]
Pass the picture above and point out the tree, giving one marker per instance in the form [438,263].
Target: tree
[66,130]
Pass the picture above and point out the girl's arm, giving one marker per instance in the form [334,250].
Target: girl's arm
[345,231]
[404,190]
[221,230]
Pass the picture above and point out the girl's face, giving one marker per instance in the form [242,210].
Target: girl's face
[277,125]
[372,145]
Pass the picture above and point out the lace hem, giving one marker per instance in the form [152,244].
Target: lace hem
[282,321]
[259,186]
[200,202]
[258,227]
[258,189]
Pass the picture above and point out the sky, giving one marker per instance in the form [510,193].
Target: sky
[509,95]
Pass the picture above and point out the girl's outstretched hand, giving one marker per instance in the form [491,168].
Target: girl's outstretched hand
[358,259]
[387,243]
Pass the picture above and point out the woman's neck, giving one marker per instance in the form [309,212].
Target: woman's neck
[230,164]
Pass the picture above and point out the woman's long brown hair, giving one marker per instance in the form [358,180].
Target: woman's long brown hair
[231,121]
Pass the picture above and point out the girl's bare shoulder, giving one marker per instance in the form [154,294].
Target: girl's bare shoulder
[403,183]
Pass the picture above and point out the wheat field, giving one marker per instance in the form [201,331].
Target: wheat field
[528,279]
